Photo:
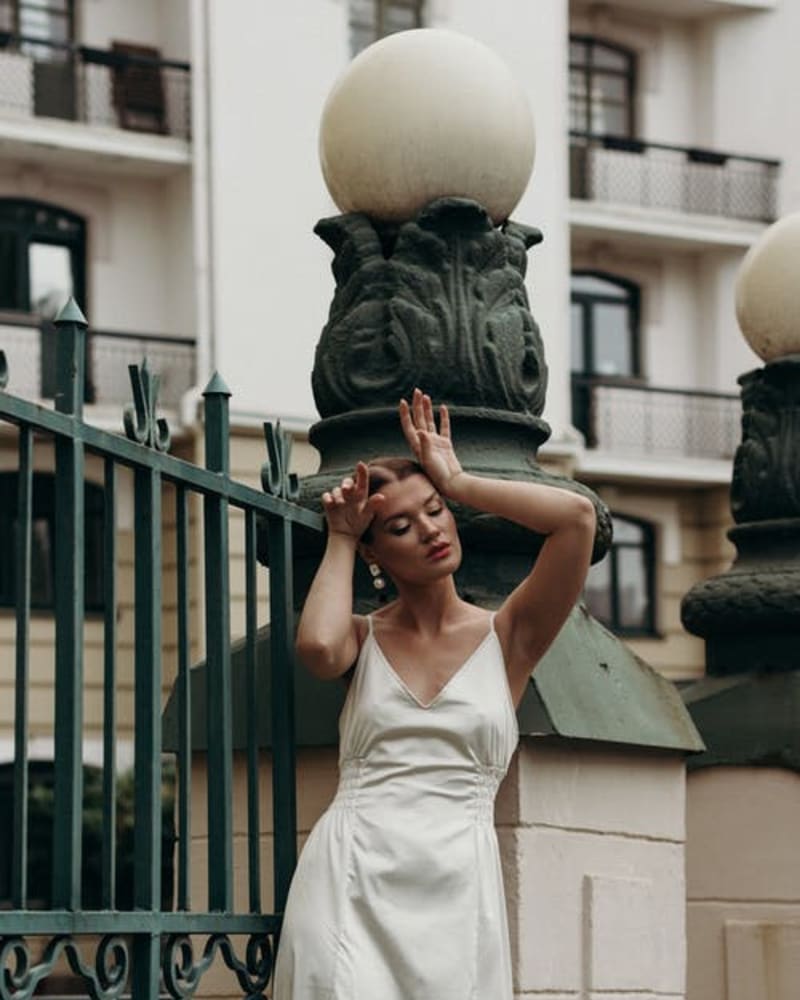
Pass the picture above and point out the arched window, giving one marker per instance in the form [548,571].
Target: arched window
[620,590]
[43,542]
[42,263]
[602,84]
[374,19]
[42,256]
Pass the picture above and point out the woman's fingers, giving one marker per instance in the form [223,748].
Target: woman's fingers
[427,413]
[407,425]
[444,421]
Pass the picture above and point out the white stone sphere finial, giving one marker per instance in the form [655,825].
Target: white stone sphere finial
[426,114]
[768,291]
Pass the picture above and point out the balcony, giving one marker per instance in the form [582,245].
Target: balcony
[677,179]
[29,344]
[630,420]
[125,87]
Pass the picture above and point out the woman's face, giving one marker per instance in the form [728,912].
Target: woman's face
[414,537]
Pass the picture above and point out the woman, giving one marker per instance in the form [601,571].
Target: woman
[398,894]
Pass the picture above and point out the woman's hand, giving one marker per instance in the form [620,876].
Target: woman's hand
[349,509]
[433,450]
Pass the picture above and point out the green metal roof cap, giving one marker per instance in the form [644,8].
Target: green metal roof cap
[747,719]
[589,686]
[594,688]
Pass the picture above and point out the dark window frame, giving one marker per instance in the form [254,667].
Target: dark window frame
[587,301]
[589,71]
[648,548]
[43,497]
[31,221]
[378,26]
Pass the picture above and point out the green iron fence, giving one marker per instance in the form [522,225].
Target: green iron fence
[148,948]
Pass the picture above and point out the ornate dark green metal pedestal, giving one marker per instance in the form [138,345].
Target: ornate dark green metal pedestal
[440,302]
[748,707]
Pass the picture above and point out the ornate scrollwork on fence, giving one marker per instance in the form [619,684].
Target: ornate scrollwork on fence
[105,981]
[182,974]
[3,370]
[141,423]
[275,476]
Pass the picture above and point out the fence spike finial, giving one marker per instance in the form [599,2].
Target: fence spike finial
[70,312]
[217,386]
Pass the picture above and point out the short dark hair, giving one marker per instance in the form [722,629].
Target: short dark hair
[389,469]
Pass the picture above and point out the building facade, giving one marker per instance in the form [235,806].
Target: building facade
[158,160]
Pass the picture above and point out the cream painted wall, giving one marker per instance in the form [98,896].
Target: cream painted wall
[754,89]
[743,884]
[268,79]
[134,266]
[159,23]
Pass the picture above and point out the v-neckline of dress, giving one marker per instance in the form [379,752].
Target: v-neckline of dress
[457,672]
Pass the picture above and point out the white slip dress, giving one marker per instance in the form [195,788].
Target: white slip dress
[398,893]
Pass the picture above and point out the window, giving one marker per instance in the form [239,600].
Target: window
[42,257]
[45,27]
[374,19]
[42,263]
[601,87]
[43,542]
[620,590]
[44,30]
[604,321]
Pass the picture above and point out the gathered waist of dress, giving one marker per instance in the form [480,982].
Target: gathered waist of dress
[467,791]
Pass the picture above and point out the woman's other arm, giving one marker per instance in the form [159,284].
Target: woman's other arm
[532,615]
[328,635]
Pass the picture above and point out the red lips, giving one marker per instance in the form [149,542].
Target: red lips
[439,551]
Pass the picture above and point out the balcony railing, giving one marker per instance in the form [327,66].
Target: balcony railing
[127,87]
[630,419]
[29,346]
[682,179]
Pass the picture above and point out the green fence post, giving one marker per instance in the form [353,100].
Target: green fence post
[69,607]
[218,655]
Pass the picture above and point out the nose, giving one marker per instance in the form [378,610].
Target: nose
[428,529]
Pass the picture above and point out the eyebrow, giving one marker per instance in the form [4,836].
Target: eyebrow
[402,513]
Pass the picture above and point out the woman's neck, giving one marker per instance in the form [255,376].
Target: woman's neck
[426,609]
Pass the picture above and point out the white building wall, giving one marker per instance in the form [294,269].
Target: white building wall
[100,21]
[268,78]
[754,89]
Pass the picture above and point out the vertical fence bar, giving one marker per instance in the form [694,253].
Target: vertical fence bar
[147,750]
[184,705]
[19,870]
[218,656]
[69,613]
[283,741]
[109,876]
[253,823]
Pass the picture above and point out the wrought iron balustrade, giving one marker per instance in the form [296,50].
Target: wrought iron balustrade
[126,86]
[139,944]
[628,418]
[30,346]
[627,171]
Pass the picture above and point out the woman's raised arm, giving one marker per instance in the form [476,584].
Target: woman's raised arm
[532,616]
[327,635]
